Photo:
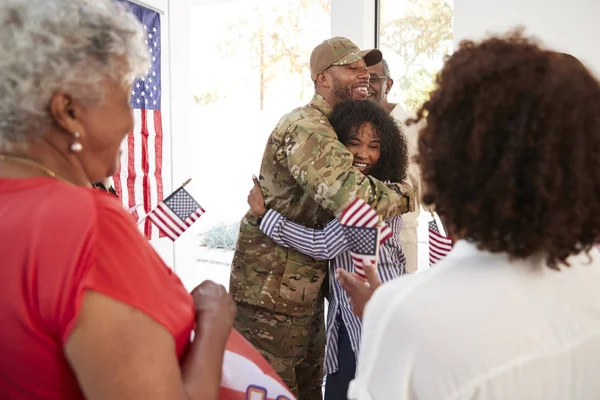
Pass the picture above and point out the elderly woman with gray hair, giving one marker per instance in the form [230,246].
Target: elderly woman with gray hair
[88,309]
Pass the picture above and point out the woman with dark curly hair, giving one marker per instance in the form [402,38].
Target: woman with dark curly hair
[379,150]
[349,117]
[510,157]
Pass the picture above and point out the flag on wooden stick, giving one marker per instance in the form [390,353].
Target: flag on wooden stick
[439,243]
[175,214]
[365,233]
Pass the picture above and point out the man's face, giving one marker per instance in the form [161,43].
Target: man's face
[349,82]
[379,84]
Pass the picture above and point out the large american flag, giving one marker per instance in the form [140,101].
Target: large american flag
[439,244]
[176,213]
[364,233]
[139,177]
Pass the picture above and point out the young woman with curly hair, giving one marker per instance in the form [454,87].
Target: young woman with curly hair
[510,156]
[379,150]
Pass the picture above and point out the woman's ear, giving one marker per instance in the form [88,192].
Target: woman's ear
[65,112]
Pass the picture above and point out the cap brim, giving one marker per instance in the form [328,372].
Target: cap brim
[348,59]
[371,56]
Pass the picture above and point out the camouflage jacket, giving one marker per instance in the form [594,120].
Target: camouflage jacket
[307,175]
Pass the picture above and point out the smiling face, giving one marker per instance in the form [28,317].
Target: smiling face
[349,82]
[365,145]
[379,84]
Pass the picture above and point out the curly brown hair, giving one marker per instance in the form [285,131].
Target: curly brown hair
[510,154]
[349,115]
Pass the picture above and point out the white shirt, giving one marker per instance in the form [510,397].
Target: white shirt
[411,133]
[478,326]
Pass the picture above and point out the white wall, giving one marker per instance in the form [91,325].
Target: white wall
[181,102]
[354,19]
[569,26]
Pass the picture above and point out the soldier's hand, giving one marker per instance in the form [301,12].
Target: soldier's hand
[215,308]
[359,290]
[256,200]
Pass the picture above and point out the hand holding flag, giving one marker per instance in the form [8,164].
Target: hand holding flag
[365,232]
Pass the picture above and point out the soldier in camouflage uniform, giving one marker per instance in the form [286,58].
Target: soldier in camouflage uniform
[307,175]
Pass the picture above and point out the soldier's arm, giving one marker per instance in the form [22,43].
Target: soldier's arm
[322,165]
[320,244]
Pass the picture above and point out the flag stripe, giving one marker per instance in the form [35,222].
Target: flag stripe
[193,218]
[174,230]
[439,245]
[169,226]
[349,211]
[144,167]
[162,227]
[131,161]
[171,218]
[370,219]
[157,134]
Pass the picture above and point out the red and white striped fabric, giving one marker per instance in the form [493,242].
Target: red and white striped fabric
[176,213]
[439,244]
[246,375]
[360,214]
[364,232]
[139,177]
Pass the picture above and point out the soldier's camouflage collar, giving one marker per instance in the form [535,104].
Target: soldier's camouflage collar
[321,104]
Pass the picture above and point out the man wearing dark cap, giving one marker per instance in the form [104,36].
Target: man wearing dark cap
[307,175]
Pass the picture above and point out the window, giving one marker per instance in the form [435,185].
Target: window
[249,66]
[415,36]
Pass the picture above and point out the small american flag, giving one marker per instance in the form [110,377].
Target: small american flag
[439,244]
[176,213]
[365,234]
[139,177]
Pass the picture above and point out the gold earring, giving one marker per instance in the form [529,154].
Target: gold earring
[76,147]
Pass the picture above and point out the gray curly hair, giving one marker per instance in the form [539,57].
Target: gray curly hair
[48,46]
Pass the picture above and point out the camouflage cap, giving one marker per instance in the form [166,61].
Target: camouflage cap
[339,51]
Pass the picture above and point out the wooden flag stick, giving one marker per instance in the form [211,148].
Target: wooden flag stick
[379,224]
[186,182]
